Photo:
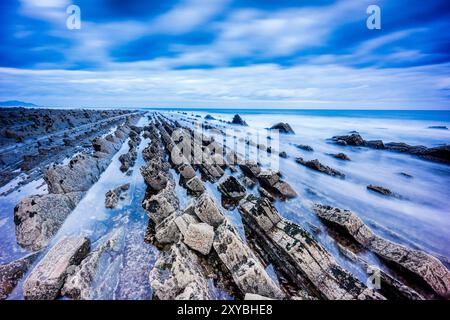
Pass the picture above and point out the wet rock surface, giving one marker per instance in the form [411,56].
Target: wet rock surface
[202,250]
[113,196]
[177,275]
[272,182]
[231,188]
[47,277]
[390,287]
[283,127]
[341,156]
[440,154]
[352,140]
[12,272]
[317,166]
[207,211]
[247,271]
[31,139]
[195,186]
[250,168]
[199,236]
[301,257]
[304,147]
[38,218]
[427,268]
[77,284]
[238,120]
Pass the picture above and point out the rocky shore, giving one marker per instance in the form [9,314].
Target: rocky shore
[192,200]
[439,154]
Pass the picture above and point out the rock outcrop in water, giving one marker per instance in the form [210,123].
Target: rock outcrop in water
[273,183]
[113,196]
[317,166]
[283,127]
[203,250]
[230,188]
[238,120]
[195,186]
[31,139]
[128,159]
[382,190]
[304,147]
[177,275]
[247,272]
[77,284]
[389,286]
[421,265]
[438,127]
[341,156]
[38,218]
[440,154]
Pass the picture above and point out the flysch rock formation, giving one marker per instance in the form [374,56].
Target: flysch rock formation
[246,270]
[318,166]
[77,284]
[31,139]
[417,263]
[47,277]
[38,218]
[301,257]
[201,253]
[12,272]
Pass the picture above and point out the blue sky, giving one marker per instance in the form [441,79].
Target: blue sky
[225,53]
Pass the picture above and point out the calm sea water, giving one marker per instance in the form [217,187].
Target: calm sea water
[432,115]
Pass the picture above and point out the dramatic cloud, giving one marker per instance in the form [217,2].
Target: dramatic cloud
[225,53]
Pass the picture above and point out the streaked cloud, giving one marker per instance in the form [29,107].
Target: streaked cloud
[227,53]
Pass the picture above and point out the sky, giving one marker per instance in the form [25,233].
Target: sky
[227,54]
